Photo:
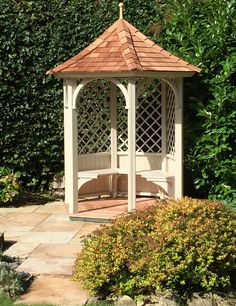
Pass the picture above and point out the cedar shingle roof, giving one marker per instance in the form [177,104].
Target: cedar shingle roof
[122,48]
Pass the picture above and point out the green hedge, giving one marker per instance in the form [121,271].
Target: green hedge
[36,36]
[203,32]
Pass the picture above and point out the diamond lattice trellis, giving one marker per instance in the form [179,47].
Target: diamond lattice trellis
[122,128]
[170,121]
[94,126]
[148,119]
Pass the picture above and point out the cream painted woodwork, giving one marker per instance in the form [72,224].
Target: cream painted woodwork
[123,104]
[129,138]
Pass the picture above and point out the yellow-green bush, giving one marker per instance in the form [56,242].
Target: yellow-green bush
[178,245]
[9,184]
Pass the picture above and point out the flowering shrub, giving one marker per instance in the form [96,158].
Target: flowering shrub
[9,186]
[178,245]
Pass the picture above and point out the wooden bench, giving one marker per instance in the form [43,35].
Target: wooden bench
[160,179]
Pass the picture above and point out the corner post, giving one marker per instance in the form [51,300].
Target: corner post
[113,114]
[113,93]
[163,127]
[179,139]
[132,144]
[70,147]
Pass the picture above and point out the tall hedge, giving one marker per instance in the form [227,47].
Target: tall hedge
[36,36]
[203,32]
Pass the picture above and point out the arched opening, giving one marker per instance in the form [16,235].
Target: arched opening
[103,133]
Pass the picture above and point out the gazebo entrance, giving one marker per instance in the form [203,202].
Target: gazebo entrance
[103,138]
[123,100]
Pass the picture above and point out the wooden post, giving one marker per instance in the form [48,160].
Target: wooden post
[179,139]
[163,127]
[132,144]
[70,147]
[114,177]
[113,126]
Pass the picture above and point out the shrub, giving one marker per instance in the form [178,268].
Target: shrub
[202,33]
[11,281]
[187,244]
[9,185]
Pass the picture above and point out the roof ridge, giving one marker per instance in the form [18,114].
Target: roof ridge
[127,46]
[158,48]
[122,47]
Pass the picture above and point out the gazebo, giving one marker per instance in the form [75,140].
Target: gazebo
[123,97]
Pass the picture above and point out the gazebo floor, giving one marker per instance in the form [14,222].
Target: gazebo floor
[104,210]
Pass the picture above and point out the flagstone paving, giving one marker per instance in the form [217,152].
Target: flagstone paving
[48,243]
[55,290]
[21,249]
[56,250]
[48,266]
[23,219]
[58,223]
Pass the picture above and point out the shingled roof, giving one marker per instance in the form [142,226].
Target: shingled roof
[123,48]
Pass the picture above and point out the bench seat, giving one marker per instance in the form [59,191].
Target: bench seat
[154,175]
[93,174]
[158,177]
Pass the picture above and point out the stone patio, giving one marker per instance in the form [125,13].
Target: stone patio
[44,237]
[48,243]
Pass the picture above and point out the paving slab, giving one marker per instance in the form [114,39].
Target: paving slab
[54,290]
[53,208]
[14,235]
[23,219]
[48,266]
[47,237]
[6,210]
[17,228]
[27,208]
[87,229]
[21,250]
[56,250]
[58,223]
[3,213]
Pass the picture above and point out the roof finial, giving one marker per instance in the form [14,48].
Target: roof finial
[121,10]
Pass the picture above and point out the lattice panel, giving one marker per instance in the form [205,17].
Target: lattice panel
[170,121]
[148,119]
[94,125]
[122,127]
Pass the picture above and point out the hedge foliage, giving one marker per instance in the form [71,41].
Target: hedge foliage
[183,246]
[38,35]
[9,184]
[203,32]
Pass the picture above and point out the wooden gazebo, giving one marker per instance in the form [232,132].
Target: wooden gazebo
[123,117]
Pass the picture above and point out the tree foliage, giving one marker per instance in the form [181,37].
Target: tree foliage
[36,36]
[203,32]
